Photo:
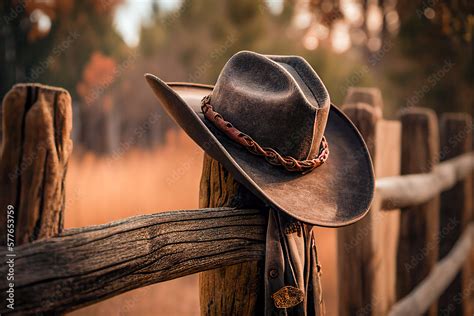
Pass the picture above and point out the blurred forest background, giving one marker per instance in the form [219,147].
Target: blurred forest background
[417,52]
[129,158]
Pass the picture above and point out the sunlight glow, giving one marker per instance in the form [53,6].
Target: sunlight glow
[275,6]
[374,19]
[429,13]
[133,13]
[352,11]
[393,21]
[340,38]
[374,44]
[303,19]
[42,19]
[310,42]
[321,31]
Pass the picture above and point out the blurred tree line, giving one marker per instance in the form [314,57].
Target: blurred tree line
[51,41]
[418,52]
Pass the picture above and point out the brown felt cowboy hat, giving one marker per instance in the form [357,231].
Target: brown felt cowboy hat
[270,122]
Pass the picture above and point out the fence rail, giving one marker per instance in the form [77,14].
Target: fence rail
[64,270]
[408,190]
[428,291]
[87,265]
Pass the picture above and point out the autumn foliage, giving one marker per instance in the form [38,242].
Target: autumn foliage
[99,73]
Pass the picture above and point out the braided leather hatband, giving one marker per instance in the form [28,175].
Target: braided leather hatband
[271,155]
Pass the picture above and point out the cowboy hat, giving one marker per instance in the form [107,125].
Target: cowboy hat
[270,122]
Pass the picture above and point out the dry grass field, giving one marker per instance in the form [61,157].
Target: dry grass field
[101,190]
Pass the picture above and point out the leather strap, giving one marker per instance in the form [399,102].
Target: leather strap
[292,271]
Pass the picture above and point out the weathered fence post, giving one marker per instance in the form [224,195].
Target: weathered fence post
[236,289]
[366,249]
[37,123]
[418,242]
[367,95]
[456,212]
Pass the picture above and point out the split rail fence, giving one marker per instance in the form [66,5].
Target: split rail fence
[412,253]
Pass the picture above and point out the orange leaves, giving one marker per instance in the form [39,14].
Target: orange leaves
[98,75]
[105,6]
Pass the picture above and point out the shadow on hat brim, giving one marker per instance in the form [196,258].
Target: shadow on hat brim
[337,193]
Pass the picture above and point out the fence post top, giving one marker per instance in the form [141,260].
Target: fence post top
[361,109]
[458,117]
[39,86]
[419,112]
[369,95]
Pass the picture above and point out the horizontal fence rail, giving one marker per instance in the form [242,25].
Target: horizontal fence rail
[428,291]
[87,265]
[414,189]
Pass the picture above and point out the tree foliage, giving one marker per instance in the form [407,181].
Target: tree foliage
[51,41]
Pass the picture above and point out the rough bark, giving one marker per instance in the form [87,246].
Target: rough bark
[36,128]
[37,123]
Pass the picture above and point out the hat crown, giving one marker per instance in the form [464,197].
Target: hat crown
[279,101]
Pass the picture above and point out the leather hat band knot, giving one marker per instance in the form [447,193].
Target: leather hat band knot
[271,155]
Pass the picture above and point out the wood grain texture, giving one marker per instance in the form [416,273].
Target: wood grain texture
[84,266]
[236,289]
[385,224]
[419,301]
[37,124]
[418,245]
[354,242]
[456,212]
[366,249]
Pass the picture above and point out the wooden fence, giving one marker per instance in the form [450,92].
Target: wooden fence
[411,254]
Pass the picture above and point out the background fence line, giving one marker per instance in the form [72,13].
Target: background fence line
[403,191]
[456,204]
[442,274]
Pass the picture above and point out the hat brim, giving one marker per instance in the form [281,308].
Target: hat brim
[335,194]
